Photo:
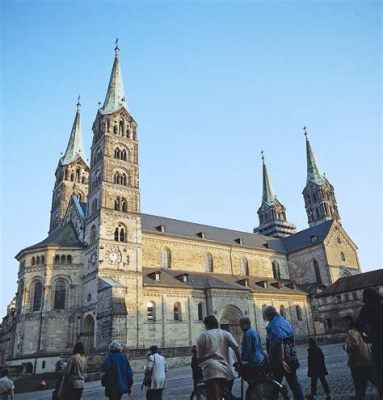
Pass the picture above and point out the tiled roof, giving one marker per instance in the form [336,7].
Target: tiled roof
[307,237]
[66,236]
[196,280]
[193,230]
[354,282]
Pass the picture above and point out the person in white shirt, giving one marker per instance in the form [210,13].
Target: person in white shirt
[156,368]
[213,353]
[7,387]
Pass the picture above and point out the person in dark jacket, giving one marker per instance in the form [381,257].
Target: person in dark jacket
[370,322]
[119,373]
[316,369]
[196,370]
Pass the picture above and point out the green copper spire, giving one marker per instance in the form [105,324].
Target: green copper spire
[313,172]
[268,195]
[75,145]
[115,96]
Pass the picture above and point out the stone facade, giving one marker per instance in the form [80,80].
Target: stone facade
[106,271]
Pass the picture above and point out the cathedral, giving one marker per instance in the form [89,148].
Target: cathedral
[108,271]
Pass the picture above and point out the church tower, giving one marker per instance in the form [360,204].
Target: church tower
[318,194]
[272,213]
[71,174]
[112,262]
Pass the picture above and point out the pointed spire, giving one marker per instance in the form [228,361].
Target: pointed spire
[268,196]
[75,145]
[313,172]
[115,96]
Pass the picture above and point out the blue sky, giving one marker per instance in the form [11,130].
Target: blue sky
[211,84]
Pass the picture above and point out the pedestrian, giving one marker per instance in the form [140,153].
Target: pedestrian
[371,324]
[316,369]
[118,377]
[251,351]
[359,359]
[196,371]
[156,366]
[7,388]
[213,352]
[73,382]
[280,345]
[59,371]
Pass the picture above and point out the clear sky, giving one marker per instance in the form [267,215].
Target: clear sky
[211,84]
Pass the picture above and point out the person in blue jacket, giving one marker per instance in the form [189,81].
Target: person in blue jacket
[252,352]
[119,373]
[280,343]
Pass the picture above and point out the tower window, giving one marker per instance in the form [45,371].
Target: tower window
[120,178]
[124,205]
[209,267]
[166,258]
[177,312]
[120,234]
[342,256]
[37,296]
[151,311]
[317,272]
[200,311]
[60,294]
[276,270]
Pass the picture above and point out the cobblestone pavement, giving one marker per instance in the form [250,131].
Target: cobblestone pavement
[179,382]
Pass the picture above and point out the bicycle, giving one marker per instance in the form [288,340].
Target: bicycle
[261,386]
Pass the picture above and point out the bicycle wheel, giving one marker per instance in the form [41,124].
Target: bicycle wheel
[266,391]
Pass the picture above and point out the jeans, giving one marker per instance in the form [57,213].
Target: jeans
[314,381]
[154,394]
[215,388]
[293,382]
[360,376]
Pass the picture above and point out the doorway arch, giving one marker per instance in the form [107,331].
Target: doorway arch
[88,334]
[229,321]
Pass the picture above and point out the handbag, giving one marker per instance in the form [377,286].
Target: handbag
[148,374]
[290,353]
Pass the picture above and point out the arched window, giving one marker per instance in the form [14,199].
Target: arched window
[42,259]
[37,260]
[93,234]
[115,129]
[244,266]
[117,153]
[124,205]
[77,175]
[124,179]
[200,311]
[69,259]
[177,311]
[263,309]
[282,311]
[57,259]
[298,310]
[72,177]
[117,204]
[317,272]
[83,179]
[62,259]
[276,270]
[209,267]
[116,234]
[116,178]
[33,261]
[123,155]
[37,296]
[60,294]
[151,311]
[120,234]
[166,258]
[342,256]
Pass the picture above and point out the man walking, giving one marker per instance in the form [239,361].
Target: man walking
[282,352]
[213,352]
[156,367]
[252,352]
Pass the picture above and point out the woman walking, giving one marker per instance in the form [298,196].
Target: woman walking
[316,369]
[118,378]
[156,366]
[73,382]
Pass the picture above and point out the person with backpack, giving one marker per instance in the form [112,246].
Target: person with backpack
[118,375]
[156,367]
[316,369]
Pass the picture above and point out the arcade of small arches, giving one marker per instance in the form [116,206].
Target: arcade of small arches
[37,260]
[177,311]
[63,259]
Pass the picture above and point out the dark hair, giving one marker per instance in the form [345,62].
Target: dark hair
[245,321]
[79,348]
[211,322]
[153,349]
[4,372]
[312,342]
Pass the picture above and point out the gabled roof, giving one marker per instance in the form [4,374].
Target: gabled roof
[308,237]
[191,230]
[66,236]
[354,282]
[200,280]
